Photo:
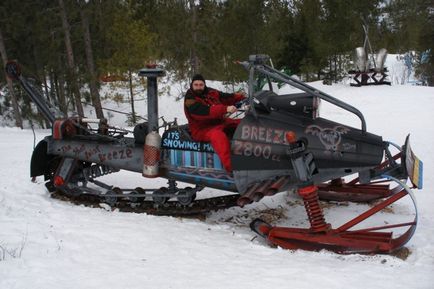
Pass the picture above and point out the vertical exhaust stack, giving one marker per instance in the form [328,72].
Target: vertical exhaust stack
[151,72]
[151,152]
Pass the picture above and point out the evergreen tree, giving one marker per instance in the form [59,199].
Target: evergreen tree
[130,47]
[93,78]
[72,73]
[57,40]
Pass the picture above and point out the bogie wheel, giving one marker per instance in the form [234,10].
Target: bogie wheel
[109,199]
[132,195]
[160,196]
[186,196]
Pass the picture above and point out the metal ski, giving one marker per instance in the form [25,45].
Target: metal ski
[366,240]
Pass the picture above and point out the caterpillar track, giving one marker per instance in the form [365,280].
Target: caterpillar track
[168,201]
[171,208]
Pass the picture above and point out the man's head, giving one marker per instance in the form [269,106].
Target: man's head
[198,84]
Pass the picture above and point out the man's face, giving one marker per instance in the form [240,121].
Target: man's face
[198,86]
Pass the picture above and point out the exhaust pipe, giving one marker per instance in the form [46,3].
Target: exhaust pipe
[152,145]
[151,72]
[277,186]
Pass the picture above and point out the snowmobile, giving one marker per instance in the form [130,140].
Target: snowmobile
[281,144]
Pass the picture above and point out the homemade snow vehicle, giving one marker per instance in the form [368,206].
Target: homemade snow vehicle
[281,143]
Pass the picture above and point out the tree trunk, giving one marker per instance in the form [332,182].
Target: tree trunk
[60,89]
[54,99]
[16,109]
[41,74]
[49,94]
[194,58]
[133,111]
[94,93]
[336,69]
[70,58]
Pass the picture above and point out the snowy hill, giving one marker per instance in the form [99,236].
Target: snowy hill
[47,243]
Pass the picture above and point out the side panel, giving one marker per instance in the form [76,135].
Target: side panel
[259,148]
[193,162]
[126,156]
[260,143]
[191,159]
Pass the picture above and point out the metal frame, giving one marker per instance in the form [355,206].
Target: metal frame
[256,63]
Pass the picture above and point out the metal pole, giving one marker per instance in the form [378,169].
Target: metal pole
[152,104]
[151,73]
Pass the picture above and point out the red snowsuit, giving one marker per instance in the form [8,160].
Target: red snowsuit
[207,122]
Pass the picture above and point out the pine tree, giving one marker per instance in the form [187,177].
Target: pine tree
[130,47]
[93,78]
[70,58]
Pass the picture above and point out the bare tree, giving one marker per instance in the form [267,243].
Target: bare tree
[16,109]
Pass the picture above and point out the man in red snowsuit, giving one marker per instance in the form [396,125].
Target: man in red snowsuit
[206,109]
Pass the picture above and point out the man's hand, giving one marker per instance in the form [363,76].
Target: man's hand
[231,109]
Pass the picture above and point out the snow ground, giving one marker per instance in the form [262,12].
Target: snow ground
[47,243]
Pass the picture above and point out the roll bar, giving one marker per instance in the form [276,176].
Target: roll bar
[257,63]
